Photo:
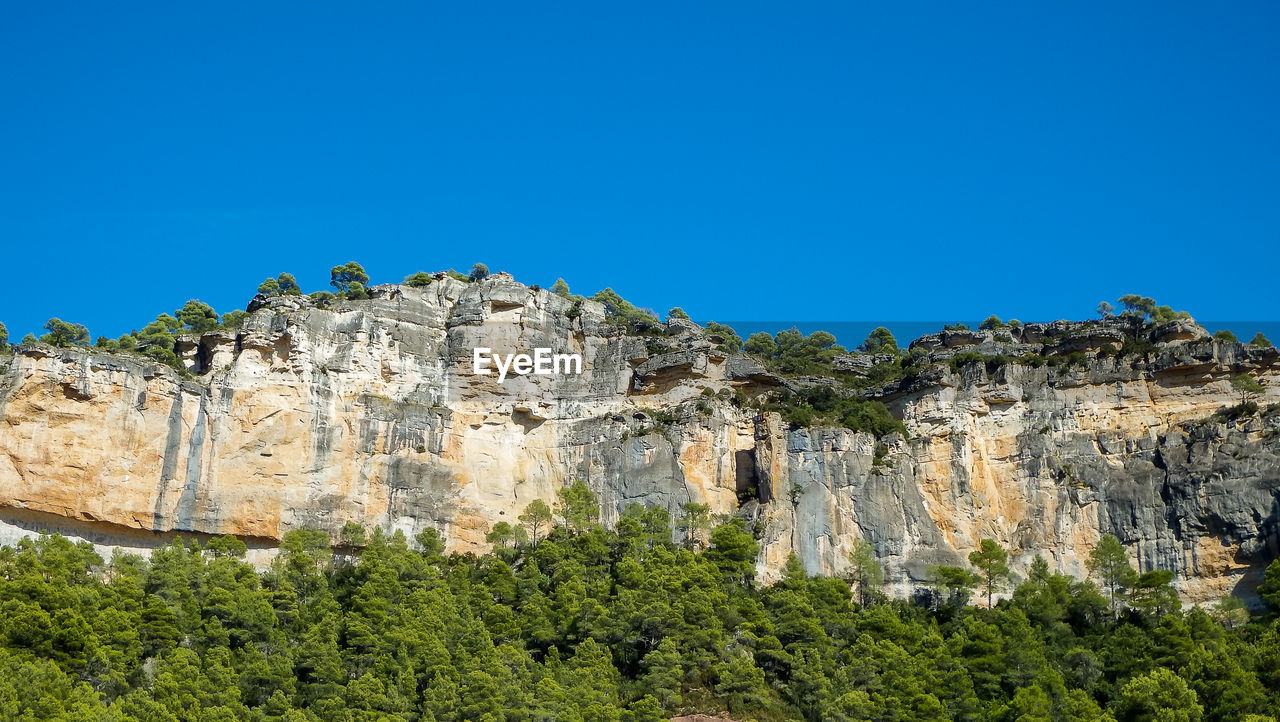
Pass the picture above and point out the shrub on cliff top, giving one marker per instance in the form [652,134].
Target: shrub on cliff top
[880,340]
[964,358]
[356,291]
[620,312]
[63,334]
[341,277]
[197,316]
[283,285]
[730,341]
[421,279]
[234,319]
[156,339]
[322,299]
[1143,308]
[794,354]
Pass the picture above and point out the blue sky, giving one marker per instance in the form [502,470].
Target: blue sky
[821,161]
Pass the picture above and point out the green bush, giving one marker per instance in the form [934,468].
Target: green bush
[619,312]
[1137,347]
[823,405]
[283,285]
[1241,410]
[323,299]
[1031,359]
[791,353]
[356,291]
[1144,309]
[964,358]
[234,319]
[886,372]
[421,279]
[880,340]
[341,277]
[63,334]
[655,347]
[198,317]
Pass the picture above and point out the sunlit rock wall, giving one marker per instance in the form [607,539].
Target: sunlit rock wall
[369,411]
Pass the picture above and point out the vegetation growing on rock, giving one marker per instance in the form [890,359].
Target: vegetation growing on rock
[637,321]
[421,279]
[800,360]
[880,340]
[791,353]
[283,285]
[342,277]
[826,406]
[63,334]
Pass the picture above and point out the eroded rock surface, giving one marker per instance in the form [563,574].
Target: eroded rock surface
[368,411]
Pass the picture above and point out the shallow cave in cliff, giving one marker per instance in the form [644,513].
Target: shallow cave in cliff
[747,480]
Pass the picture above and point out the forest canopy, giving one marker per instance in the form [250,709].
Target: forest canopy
[584,623]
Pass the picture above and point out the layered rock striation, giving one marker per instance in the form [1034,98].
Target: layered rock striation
[369,411]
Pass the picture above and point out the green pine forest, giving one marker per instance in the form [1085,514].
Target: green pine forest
[567,620]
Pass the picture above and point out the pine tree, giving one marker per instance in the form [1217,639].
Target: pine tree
[865,573]
[1109,562]
[663,674]
[993,565]
[578,507]
[536,516]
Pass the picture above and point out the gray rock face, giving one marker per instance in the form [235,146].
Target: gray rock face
[370,411]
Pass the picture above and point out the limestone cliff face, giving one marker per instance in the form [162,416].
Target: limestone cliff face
[369,411]
[1045,461]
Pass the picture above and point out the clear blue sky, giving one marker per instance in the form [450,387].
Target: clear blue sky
[822,161]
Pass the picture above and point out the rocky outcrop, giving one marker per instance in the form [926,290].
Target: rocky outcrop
[1046,460]
[369,411]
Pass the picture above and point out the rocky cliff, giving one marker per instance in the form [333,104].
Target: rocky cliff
[369,411]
